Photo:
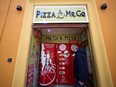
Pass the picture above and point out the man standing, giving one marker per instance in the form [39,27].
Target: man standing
[80,67]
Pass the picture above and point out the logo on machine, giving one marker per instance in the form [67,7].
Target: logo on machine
[62,47]
[63,79]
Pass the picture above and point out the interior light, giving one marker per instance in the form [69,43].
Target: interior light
[49,30]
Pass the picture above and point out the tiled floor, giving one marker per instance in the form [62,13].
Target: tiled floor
[60,86]
[64,86]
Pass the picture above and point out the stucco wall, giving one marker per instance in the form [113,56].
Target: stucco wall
[10,28]
[108,25]
[102,66]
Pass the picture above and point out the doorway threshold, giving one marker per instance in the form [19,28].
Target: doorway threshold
[58,85]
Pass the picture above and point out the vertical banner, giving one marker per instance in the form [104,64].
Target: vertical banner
[47,65]
[63,64]
[33,68]
[30,75]
[89,63]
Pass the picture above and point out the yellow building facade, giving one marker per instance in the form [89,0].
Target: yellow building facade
[16,31]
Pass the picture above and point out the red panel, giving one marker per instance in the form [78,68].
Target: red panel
[72,55]
[48,65]
[63,64]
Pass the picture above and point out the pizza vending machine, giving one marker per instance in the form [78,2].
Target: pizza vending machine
[47,65]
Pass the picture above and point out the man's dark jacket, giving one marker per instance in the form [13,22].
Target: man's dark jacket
[80,65]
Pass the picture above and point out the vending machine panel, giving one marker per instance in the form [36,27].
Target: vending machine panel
[63,64]
[47,65]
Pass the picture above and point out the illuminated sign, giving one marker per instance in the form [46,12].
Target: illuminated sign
[59,38]
[60,14]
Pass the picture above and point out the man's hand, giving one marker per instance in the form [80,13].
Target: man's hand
[81,83]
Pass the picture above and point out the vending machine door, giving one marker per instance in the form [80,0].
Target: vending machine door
[63,64]
[47,65]
[72,55]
